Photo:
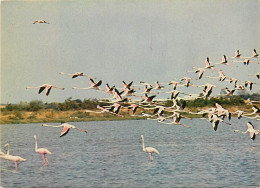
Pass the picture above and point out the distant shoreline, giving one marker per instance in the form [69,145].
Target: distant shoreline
[55,116]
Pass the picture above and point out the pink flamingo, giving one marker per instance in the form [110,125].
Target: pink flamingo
[42,151]
[66,128]
[251,130]
[47,86]
[93,85]
[149,150]
[255,54]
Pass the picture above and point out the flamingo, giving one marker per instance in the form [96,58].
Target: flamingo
[16,160]
[255,54]
[221,76]
[134,107]
[158,86]
[40,21]
[47,86]
[149,150]
[251,130]
[257,75]
[77,74]
[250,84]
[174,84]
[42,151]
[8,157]
[223,61]
[66,128]
[93,85]
[207,64]
[200,71]
[237,54]
[148,99]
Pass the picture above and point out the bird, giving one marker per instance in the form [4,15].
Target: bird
[237,54]
[93,85]
[149,150]
[223,61]
[257,75]
[200,71]
[250,84]
[77,74]
[40,21]
[47,86]
[16,160]
[8,157]
[66,128]
[42,151]
[255,54]
[251,130]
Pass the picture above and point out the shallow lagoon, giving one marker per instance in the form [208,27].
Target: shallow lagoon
[110,155]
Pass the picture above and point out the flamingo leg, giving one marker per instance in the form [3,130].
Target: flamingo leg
[8,163]
[151,157]
[16,165]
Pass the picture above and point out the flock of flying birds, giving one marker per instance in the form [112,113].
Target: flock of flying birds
[143,104]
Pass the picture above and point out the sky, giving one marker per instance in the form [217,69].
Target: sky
[117,41]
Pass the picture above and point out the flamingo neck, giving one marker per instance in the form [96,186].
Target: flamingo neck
[8,149]
[143,144]
[36,145]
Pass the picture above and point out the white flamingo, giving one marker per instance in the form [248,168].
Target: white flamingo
[40,21]
[149,150]
[77,74]
[47,86]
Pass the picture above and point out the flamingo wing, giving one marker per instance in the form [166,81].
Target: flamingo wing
[64,131]
[41,89]
[252,135]
[48,91]
[250,125]
[99,83]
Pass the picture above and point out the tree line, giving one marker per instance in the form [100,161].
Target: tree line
[77,104]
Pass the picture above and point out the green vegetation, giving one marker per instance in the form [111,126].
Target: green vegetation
[74,110]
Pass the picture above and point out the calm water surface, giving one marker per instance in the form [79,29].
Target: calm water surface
[110,155]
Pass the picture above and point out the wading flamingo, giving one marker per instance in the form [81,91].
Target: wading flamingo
[47,86]
[8,157]
[149,150]
[66,128]
[42,151]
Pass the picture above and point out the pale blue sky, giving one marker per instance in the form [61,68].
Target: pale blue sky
[119,40]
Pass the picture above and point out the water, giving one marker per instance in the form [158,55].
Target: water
[110,155]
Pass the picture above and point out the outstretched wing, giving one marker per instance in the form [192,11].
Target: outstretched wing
[64,131]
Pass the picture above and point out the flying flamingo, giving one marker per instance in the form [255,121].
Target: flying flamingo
[66,128]
[40,21]
[93,85]
[42,151]
[251,130]
[237,54]
[200,71]
[47,86]
[255,54]
[223,61]
[77,74]
[250,84]
[149,150]
[257,75]
[221,76]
